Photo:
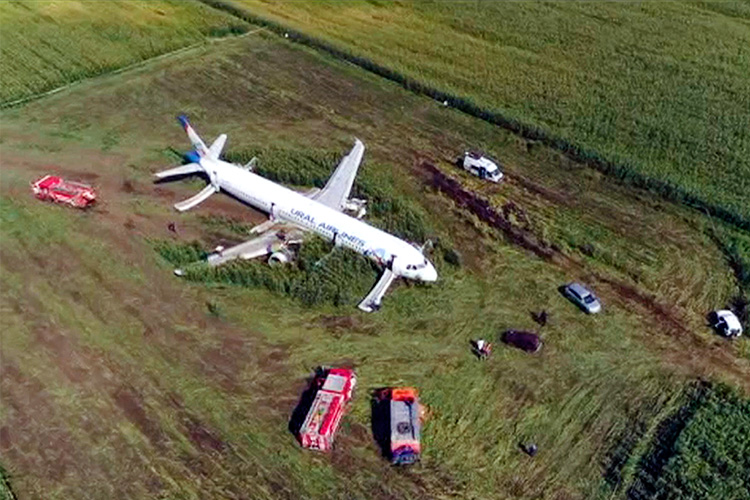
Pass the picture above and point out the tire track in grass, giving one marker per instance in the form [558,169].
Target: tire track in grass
[665,319]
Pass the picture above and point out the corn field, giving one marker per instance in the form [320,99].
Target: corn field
[659,90]
[47,44]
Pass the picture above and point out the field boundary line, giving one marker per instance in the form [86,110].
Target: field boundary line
[129,67]
[621,171]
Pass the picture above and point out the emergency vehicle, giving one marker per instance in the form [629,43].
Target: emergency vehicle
[54,188]
[333,388]
[404,416]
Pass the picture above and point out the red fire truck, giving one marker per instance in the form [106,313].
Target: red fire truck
[54,188]
[333,388]
[404,415]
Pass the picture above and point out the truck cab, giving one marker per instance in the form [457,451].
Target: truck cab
[481,165]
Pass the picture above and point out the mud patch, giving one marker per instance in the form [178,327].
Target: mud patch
[485,212]
[666,316]
[202,437]
[46,450]
[340,325]
[130,187]
[132,405]
[224,363]
[63,351]
[5,441]
[78,176]
[200,434]
[544,192]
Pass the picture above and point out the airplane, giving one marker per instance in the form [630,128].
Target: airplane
[293,215]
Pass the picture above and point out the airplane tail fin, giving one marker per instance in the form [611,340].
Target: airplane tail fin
[195,140]
[195,166]
[218,145]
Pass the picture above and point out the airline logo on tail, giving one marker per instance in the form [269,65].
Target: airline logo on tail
[195,140]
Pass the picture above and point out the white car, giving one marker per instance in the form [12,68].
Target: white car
[726,323]
[481,166]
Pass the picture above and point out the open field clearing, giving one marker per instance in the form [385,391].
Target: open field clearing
[46,44]
[120,380]
[659,87]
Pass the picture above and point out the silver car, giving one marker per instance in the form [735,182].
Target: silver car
[583,297]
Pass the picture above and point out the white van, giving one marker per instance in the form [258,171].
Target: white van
[726,323]
[481,166]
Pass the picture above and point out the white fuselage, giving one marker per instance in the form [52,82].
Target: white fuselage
[287,205]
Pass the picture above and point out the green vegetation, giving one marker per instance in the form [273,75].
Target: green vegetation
[6,493]
[46,44]
[736,249]
[701,452]
[652,93]
[179,254]
[321,274]
[137,384]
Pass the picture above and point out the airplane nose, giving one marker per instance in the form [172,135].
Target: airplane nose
[428,274]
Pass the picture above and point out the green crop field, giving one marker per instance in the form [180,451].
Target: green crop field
[46,44]
[659,87]
[701,451]
[711,453]
[121,380]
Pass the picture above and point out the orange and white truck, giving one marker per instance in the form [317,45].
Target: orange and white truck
[404,415]
[333,388]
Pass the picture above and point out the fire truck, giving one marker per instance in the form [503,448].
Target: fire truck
[54,188]
[405,422]
[333,390]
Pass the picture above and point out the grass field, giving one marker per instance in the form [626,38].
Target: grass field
[660,87]
[120,380]
[46,44]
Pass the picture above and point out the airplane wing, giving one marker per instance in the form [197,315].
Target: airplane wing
[190,168]
[337,189]
[273,237]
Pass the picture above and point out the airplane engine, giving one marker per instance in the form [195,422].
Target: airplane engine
[356,206]
[280,257]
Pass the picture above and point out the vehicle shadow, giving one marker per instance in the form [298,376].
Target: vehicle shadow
[304,404]
[540,317]
[379,421]
[711,318]
[561,290]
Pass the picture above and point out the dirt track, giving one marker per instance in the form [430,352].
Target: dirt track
[703,357]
